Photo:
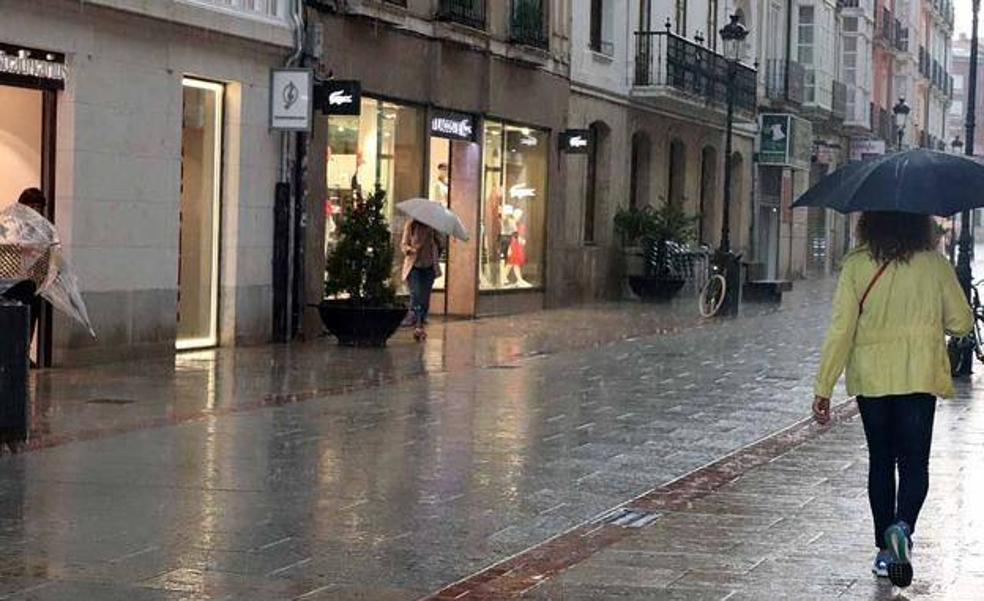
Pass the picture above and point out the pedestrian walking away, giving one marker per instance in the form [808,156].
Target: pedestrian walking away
[896,299]
[422,248]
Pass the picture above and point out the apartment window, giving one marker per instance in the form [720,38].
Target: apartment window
[806,23]
[958,83]
[602,21]
[681,17]
[850,24]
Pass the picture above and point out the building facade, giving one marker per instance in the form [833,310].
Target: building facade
[464,103]
[957,115]
[657,121]
[145,123]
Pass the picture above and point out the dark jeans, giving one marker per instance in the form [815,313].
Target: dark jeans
[421,283]
[25,292]
[899,430]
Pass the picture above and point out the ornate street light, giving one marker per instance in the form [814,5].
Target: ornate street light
[963,366]
[901,110]
[733,34]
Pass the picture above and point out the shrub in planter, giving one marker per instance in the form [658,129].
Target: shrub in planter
[667,232]
[364,311]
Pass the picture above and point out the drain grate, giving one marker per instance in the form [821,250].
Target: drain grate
[627,517]
[109,402]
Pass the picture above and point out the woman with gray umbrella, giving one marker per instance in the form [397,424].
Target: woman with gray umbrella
[896,299]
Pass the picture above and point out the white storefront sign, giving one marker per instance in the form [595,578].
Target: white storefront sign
[291,99]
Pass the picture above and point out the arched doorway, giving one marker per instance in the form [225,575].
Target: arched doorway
[708,189]
[639,171]
[596,186]
[677,175]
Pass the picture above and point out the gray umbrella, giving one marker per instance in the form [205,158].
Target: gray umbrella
[915,181]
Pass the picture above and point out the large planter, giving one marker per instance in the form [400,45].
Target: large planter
[634,261]
[655,289]
[361,326]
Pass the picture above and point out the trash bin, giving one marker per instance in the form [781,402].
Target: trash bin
[14,333]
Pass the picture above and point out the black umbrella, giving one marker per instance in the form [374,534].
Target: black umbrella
[915,181]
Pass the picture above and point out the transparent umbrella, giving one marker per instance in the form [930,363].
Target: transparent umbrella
[31,250]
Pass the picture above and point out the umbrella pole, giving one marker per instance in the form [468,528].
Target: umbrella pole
[964,270]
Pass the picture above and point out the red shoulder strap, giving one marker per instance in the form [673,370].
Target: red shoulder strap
[874,280]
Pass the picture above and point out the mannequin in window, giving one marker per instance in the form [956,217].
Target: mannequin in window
[516,258]
[441,186]
[492,229]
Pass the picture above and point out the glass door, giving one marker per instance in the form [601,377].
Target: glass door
[199,220]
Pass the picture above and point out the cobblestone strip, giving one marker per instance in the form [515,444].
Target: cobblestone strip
[516,575]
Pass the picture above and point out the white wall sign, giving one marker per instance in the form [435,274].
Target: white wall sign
[291,99]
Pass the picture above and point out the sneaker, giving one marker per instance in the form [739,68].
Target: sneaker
[880,568]
[898,541]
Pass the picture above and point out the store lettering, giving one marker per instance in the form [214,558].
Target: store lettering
[32,67]
[461,128]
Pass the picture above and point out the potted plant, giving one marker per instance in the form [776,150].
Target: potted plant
[666,253]
[632,225]
[360,307]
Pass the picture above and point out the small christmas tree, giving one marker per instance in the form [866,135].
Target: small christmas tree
[361,264]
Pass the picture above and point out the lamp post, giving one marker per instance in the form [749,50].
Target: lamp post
[957,146]
[901,110]
[733,35]
[964,272]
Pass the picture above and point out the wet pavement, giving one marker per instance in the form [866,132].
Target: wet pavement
[314,472]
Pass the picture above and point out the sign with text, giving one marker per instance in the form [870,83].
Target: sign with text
[774,139]
[575,141]
[862,150]
[339,97]
[291,99]
[452,125]
[33,66]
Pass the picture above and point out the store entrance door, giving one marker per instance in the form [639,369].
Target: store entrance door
[455,181]
[27,124]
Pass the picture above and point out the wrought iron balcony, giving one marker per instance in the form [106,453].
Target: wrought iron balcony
[668,64]
[470,13]
[528,23]
[784,81]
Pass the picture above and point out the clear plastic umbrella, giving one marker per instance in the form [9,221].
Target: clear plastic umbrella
[31,250]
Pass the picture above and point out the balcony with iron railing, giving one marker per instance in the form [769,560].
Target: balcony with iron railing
[784,81]
[675,70]
[943,10]
[470,13]
[528,23]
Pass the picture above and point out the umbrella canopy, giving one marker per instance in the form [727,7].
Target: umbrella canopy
[30,250]
[915,181]
[435,215]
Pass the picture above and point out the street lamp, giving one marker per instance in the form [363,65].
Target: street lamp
[964,272]
[956,144]
[733,35]
[901,110]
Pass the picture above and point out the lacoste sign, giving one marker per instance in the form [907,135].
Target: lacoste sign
[339,97]
[575,141]
[449,124]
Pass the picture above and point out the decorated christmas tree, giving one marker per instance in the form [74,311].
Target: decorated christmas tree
[360,265]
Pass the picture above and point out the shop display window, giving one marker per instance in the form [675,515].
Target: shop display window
[383,147]
[514,202]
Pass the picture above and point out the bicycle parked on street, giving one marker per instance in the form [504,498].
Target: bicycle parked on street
[712,294]
[957,347]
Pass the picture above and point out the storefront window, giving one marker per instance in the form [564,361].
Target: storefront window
[514,203]
[382,147]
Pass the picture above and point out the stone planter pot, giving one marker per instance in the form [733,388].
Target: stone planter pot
[361,326]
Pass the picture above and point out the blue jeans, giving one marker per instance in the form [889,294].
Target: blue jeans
[899,430]
[421,282]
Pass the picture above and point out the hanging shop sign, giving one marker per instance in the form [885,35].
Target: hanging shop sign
[34,67]
[339,97]
[862,150]
[452,125]
[575,141]
[785,140]
[291,99]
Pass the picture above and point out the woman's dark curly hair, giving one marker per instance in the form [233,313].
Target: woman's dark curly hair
[892,236]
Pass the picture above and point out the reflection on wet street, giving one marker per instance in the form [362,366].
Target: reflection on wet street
[318,472]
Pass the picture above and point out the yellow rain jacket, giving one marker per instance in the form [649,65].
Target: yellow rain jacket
[897,345]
